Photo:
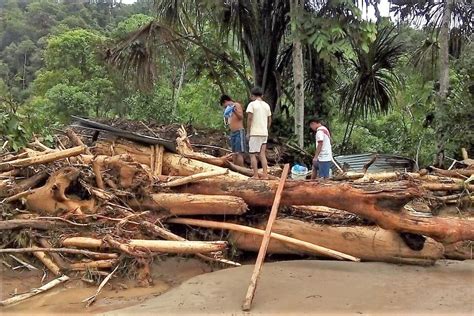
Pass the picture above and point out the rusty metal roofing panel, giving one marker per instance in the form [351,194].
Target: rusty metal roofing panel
[384,162]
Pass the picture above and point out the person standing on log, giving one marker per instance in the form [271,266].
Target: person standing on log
[234,117]
[259,119]
[323,156]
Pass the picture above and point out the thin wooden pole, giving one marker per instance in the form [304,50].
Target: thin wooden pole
[265,241]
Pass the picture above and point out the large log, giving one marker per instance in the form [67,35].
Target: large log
[299,244]
[164,246]
[381,203]
[191,204]
[173,164]
[370,243]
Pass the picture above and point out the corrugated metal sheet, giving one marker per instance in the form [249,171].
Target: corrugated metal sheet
[383,162]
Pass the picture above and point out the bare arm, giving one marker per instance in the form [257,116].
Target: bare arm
[269,121]
[319,147]
[249,122]
[239,113]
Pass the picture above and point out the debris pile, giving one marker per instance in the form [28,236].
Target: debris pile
[101,204]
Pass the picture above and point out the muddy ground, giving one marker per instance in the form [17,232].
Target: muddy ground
[118,293]
[184,286]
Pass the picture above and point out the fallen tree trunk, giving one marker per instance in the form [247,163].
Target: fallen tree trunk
[458,186]
[31,223]
[299,244]
[369,243]
[381,203]
[191,204]
[165,246]
[173,164]
[461,173]
[43,159]
[155,231]
[99,264]
[463,250]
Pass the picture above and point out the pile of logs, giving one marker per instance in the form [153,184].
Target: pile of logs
[113,205]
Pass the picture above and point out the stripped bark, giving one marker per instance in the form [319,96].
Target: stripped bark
[191,204]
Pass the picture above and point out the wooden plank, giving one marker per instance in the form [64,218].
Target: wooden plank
[266,239]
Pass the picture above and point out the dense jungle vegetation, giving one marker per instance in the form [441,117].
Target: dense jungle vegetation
[401,85]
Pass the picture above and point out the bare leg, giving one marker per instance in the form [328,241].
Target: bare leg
[314,174]
[263,160]
[240,160]
[254,163]
[235,158]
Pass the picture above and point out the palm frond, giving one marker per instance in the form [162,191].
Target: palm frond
[135,56]
[375,80]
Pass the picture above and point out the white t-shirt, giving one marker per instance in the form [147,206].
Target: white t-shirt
[322,134]
[261,111]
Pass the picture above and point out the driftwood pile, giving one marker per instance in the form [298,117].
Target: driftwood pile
[113,204]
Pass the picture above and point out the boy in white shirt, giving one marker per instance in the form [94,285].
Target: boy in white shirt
[323,156]
[259,119]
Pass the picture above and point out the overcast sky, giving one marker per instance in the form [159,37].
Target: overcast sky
[383,7]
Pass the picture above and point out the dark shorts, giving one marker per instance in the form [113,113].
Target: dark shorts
[322,168]
[237,141]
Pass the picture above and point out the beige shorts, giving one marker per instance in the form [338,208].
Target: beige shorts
[256,143]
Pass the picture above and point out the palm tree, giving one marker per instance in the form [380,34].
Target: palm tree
[440,16]
[258,29]
[371,88]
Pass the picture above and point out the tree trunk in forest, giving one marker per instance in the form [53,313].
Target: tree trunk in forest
[298,75]
[443,40]
[381,203]
[369,243]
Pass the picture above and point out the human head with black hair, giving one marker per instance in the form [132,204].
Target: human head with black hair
[225,100]
[256,93]
[315,123]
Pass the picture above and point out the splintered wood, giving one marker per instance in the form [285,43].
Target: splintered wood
[91,205]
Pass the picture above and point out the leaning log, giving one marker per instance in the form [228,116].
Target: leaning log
[164,246]
[191,204]
[53,156]
[381,203]
[299,244]
[370,243]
